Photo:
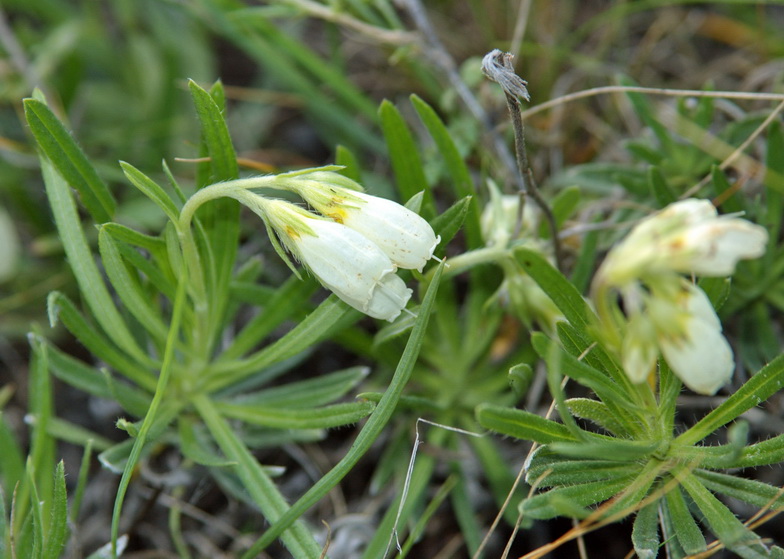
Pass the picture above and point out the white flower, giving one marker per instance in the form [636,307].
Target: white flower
[353,267]
[691,341]
[686,237]
[404,236]
[344,261]
[682,324]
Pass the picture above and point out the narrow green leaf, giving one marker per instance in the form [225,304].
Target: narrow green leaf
[598,381]
[36,514]
[115,459]
[136,301]
[290,297]
[464,510]
[61,308]
[59,147]
[571,500]
[548,468]
[152,190]
[41,456]
[5,529]
[346,159]
[373,426]
[215,133]
[756,390]
[325,417]
[583,269]
[156,272]
[257,483]
[195,448]
[81,483]
[404,155]
[131,236]
[750,491]
[455,165]
[688,532]
[306,393]
[598,413]
[521,424]
[659,188]
[721,187]
[219,218]
[420,481]
[330,316]
[556,286]
[90,380]
[645,532]
[717,290]
[12,457]
[669,388]
[646,113]
[723,523]
[592,354]
[57,530]
[81,260]
[774,181]
[553,356]
[427,515]
[609,448]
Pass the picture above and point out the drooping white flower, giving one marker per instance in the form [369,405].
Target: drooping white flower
[690,339]
[686,237]
[679,322]
[353,267]
[404,236]
[344,261]
[663,313]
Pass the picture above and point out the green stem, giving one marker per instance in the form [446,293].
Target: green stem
[193,267]
[369,433]
[163,380]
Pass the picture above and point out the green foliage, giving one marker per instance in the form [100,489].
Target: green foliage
[211,353]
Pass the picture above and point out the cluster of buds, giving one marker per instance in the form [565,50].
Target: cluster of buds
[663,312]
[507,222]
[354,247]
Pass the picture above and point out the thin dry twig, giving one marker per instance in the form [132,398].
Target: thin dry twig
[497,66]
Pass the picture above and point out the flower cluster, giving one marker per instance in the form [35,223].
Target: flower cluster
[355,247]
[665,313]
